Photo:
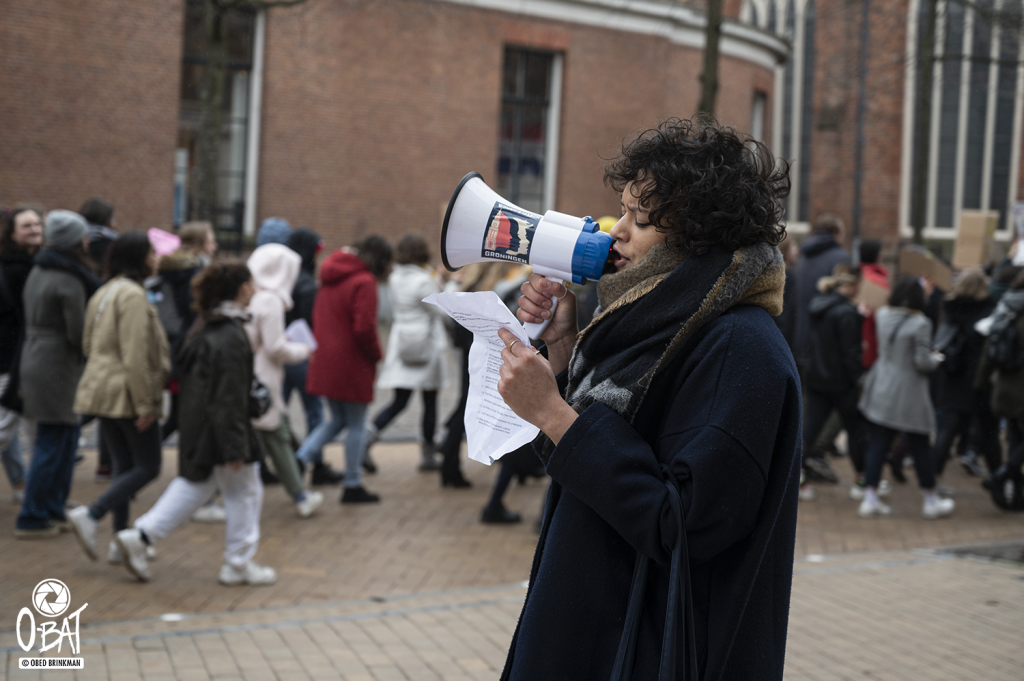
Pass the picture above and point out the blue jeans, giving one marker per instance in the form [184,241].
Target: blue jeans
[49,475]
[343,414]
[14,464]
[295,379]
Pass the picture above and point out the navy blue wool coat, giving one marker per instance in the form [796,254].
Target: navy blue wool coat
[724,420]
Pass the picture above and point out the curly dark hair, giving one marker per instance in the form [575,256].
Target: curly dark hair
[705,185]
[219,282]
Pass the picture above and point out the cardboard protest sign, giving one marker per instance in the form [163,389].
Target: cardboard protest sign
[917,262]
[873,295]
[974,238]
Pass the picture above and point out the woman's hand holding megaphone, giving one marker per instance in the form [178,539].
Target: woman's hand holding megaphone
[535,307]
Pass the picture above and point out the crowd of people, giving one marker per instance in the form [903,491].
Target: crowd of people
[926,371]
[95,324]
[98,325]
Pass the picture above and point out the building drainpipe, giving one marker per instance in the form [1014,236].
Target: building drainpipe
[252,155]
[858,173]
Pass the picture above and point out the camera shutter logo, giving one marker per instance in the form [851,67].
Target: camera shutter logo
[51,598]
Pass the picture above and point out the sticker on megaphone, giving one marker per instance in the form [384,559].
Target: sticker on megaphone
[480,225]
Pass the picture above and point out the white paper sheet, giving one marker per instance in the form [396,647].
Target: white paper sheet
[492,429]
[299,332]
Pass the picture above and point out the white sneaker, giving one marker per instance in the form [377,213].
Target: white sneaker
[312,502]
[857,491]
[210,513]
[114,556]
[869,509]
[84,528]
[17,496]
[252,574]
[808,493]
[134,551]
[935,508]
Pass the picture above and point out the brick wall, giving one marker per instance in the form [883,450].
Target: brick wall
[373,111]
[835,116]
[90,104]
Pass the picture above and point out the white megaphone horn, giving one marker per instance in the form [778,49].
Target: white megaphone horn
[480,225]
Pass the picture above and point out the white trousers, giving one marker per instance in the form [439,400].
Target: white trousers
[242,493]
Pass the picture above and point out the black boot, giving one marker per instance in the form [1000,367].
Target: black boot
[358,495]
[499,516]
[268,477]
[325,475]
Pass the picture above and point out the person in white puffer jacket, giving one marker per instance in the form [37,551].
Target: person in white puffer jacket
[274,270]
[416,357]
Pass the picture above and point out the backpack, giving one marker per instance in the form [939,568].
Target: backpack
[161,295]
[1003,346]
[951,341]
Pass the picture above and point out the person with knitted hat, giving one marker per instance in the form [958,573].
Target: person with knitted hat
[670,427]
[273,231]
[55,296]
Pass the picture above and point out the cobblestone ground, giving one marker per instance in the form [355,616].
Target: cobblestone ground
[417,588]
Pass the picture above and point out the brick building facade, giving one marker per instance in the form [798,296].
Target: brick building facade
[370,112]
[356,116]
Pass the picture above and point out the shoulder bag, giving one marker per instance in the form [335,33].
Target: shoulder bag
[680,604]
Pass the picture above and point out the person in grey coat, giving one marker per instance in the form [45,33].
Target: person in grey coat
[896,397]
[51,364]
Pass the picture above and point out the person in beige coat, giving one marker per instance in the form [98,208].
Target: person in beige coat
[127,365]
[274,270]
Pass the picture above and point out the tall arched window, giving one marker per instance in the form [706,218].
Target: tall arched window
[975,112]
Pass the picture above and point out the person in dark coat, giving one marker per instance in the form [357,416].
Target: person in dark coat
[99,213]
[819,254]
[174,279]
[51,363]
[307,244]
[1007,384]
[344,366]
[20,239]
[964,409]
[833,371]
[670,429]
[218,450]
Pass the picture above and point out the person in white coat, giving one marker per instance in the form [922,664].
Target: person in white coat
[274,270]
[417,347]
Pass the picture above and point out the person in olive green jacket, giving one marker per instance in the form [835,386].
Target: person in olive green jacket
[217,450]
[128,364]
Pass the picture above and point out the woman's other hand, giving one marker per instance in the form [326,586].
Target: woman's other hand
[143,423]
[528,386]
[535,307]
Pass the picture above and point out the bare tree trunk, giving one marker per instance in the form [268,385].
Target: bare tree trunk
[211,95]
[709,79]
[924,124]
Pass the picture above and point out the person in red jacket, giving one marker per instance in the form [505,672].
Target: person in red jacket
[877,274]
[344,366]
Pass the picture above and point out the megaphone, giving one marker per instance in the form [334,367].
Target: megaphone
[480,225]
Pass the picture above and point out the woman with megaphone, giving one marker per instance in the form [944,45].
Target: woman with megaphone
[670,427]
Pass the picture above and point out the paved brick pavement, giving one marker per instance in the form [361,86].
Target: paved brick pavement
[416,588]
